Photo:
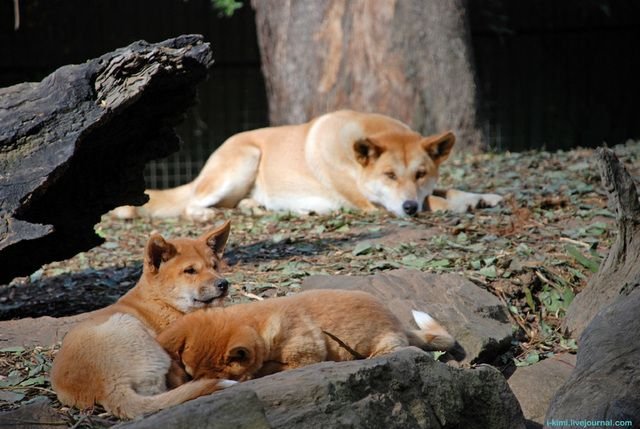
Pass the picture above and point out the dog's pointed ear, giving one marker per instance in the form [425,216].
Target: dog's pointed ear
[216,239]
[439,146]
[238,354]
[366,151]
[156,252]
[173,340]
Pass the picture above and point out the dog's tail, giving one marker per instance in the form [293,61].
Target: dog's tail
[124,402]
[162,203]
[432,336]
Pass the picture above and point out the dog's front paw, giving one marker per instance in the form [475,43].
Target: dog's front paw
[460,201]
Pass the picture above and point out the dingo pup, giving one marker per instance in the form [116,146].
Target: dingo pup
[113,358]
[343,159]
[245,341]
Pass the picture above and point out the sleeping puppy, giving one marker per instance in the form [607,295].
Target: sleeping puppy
[246,341]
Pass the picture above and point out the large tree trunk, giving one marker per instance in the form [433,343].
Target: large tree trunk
[409,59]
[74,146]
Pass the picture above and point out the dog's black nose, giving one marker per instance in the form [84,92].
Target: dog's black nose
[222,284]
[410,207]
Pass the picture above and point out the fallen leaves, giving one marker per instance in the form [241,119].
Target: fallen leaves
[535,252]
[23,374]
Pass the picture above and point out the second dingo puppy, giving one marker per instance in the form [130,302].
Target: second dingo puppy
[113,359]
[250,340]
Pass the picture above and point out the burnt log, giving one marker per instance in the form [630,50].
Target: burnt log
[74,145]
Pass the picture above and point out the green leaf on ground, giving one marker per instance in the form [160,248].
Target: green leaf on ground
[15,349]
[590,264]
[489,271]
[530,359]
[362,248]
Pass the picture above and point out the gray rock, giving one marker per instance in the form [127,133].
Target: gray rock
[535,385]
[40,331]
[232,409]
[606,381]
[406,389]
[37,413]
[475,317]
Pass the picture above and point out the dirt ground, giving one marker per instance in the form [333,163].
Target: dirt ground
[535,252]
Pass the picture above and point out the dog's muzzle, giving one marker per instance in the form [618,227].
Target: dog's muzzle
[410,207]
[220,292]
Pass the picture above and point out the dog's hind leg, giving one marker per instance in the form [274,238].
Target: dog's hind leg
[227,177]
[389,343]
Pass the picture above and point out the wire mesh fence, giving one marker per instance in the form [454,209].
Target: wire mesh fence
[231,101]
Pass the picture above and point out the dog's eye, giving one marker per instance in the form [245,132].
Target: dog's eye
[391,175]
[420,174]
[189,270]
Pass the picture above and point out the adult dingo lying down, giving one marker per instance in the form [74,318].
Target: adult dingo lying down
[113,358]
[343,159]
[244,341]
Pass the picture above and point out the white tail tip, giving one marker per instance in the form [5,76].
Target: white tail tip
[423,320]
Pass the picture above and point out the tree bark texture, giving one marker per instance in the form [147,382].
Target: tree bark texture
[409,59]
[621,268]
[74,146]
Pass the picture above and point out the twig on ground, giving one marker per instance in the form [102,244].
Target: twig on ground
[354,353]
[251,295]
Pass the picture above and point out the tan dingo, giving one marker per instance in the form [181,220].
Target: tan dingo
[343,159]
[113,358]
[244,341]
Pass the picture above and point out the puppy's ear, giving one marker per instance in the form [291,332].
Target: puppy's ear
[216,239]
[156,252]
[239,354]
[366,151]
[439,146]
[173,340]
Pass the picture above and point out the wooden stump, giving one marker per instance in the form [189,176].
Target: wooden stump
[621,269]
[605,384]
[74,145]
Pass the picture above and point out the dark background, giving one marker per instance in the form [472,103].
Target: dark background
[551,74]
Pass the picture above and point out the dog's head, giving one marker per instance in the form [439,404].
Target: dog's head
[184,272]
[400,169]
[209,346]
